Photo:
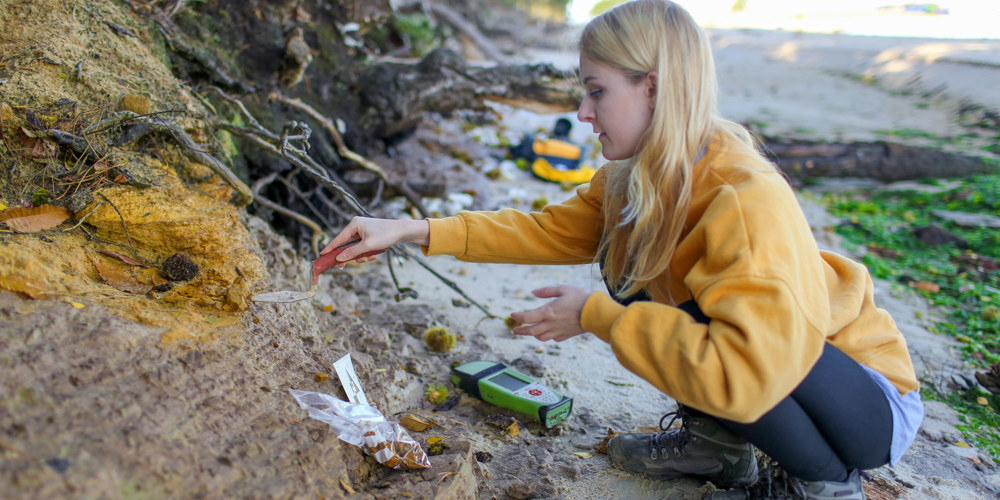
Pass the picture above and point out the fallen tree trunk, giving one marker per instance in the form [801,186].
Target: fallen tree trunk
[883,161]
[397,94]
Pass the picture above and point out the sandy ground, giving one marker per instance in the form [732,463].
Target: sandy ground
[807,86]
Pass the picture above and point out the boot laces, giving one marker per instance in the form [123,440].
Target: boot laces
[667,441]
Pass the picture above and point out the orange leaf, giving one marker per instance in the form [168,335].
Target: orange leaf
[120,280]
[124,258]
[926,286]
[32,220]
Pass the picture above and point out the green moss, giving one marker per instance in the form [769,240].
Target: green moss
[41,197]
[420,31]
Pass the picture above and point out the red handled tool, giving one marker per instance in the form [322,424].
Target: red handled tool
[321,264]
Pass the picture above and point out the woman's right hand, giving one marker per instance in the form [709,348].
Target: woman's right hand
[375,235]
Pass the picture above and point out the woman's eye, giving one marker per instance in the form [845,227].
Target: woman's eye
[595,93]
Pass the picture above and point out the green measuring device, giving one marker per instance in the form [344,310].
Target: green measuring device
[498,384]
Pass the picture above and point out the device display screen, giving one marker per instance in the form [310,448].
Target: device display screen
[508,382]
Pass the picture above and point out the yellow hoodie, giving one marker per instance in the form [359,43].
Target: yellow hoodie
[750,262]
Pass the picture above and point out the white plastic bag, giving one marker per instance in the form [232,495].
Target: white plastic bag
[366,427]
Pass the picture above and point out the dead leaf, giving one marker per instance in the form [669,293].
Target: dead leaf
[602,445]
[888,253]
[119,279]
[983,401]
[415,423]
[925,286]
[33,120]
[961,444]
[320,377]
[124,258]
[29,133]
[513,430]
[32,220]
[583,454]
[990,379]
[432,440]
[76,305]
[43,149]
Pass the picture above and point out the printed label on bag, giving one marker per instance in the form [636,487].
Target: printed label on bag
[349,379]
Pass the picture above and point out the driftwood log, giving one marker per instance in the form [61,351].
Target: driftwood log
[397,94]
[883,161]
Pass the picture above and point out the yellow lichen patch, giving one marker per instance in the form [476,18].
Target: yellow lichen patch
[41,266]
[63,268]
[161,221]
[202,224]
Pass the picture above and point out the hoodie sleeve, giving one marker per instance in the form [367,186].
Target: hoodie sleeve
[567,233]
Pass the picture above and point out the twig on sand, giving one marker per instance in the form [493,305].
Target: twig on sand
[84,218]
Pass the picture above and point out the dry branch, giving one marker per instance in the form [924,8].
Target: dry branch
[885,161]
[455,20]
[346,152]
[318,234]
[266,140]
[191,149]
[443,82]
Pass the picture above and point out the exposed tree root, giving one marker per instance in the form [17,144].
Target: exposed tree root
[345,152]
[455,20]
[318,234]
[192,150]
[281,145]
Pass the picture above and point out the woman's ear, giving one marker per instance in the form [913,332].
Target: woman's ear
[651,88]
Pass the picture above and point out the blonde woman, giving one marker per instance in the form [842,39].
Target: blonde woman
[718,294]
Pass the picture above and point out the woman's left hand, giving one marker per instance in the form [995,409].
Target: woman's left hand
[556,320]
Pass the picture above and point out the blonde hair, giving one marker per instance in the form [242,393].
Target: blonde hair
[647,199]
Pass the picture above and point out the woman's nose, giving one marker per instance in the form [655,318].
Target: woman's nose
[586,112]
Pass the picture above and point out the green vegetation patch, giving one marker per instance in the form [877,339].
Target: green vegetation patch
[959,277]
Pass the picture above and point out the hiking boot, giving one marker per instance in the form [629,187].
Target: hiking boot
[700,448]
[821,490]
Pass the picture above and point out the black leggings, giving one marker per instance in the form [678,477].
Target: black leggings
[836,420]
